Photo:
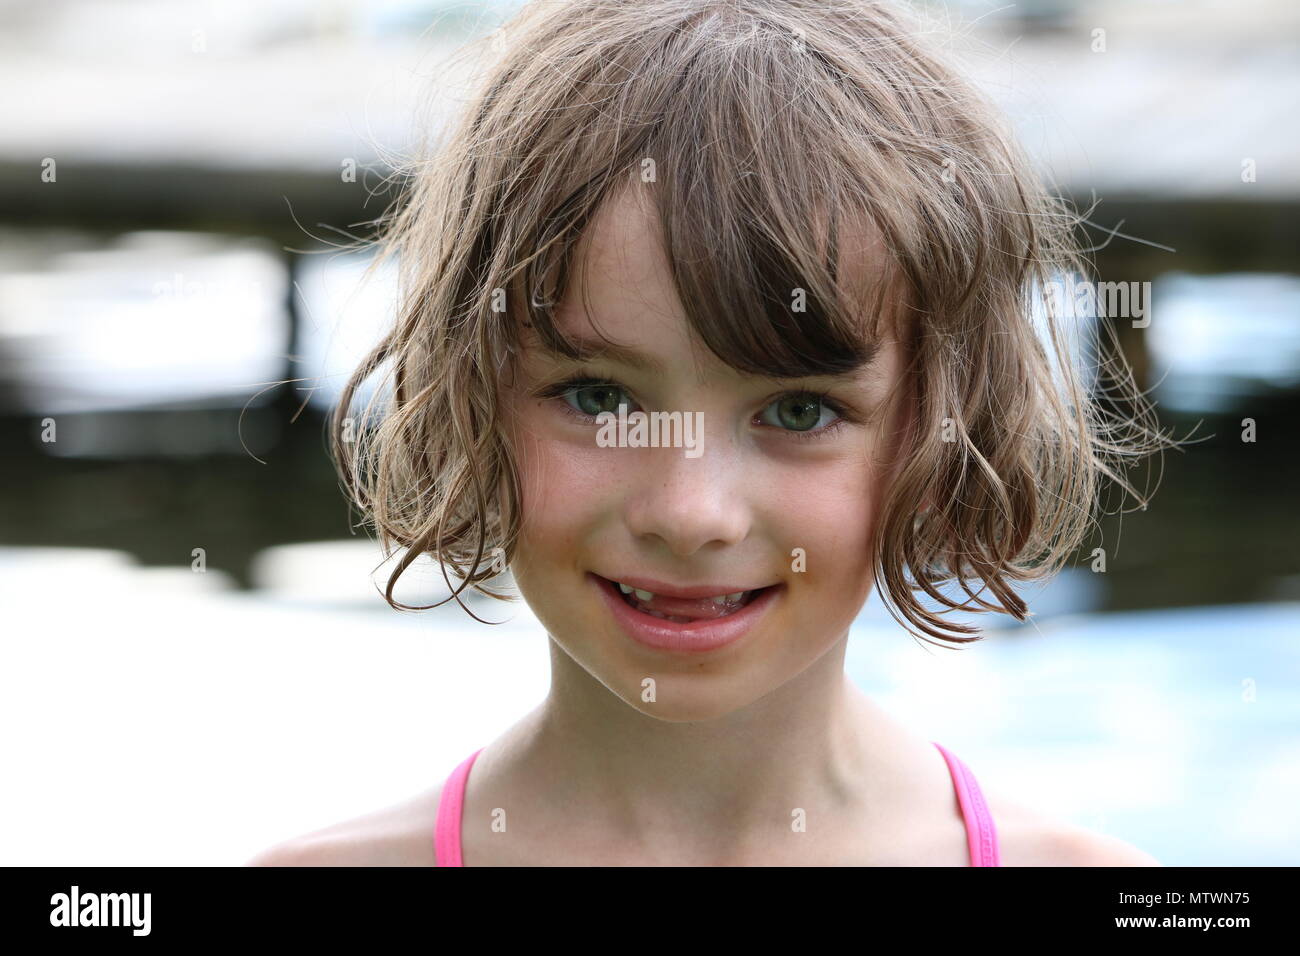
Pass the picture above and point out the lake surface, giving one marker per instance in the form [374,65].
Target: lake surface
[163,716]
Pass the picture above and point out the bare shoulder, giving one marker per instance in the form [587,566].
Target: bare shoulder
[397,835]
[1056,843]
[1028,837]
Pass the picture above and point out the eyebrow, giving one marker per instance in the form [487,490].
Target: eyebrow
[589,349]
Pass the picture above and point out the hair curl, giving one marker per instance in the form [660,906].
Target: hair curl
[766,125]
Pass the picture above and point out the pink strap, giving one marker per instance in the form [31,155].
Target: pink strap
[446,834]
[981,835]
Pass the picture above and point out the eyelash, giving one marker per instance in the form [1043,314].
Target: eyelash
[844,416]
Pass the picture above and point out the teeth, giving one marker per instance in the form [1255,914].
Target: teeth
[649,596]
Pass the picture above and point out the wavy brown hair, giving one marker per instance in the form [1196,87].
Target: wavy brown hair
[757,128]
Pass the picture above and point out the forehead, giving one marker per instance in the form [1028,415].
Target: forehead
[623,250]
[621,273]
[621,284]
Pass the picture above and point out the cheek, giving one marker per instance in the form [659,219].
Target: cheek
[828,512]
[563,485]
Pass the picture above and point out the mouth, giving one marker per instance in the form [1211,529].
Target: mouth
[682,610]
[696,623]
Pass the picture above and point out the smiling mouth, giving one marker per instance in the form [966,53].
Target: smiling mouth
[683,610]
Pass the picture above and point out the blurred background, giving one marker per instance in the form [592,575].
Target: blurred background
[195,661]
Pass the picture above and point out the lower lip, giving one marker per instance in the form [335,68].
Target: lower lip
[697,636]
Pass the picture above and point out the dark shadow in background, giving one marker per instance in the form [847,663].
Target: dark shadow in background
[1221,527]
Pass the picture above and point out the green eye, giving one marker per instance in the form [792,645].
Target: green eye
[594,399]
[801,416]
[799,412]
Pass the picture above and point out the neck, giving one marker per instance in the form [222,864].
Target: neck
[814,744]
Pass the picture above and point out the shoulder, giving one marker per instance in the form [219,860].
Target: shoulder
[1067,845]
[398,835]
[1027,837]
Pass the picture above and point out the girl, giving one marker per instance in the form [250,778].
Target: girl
[790,224]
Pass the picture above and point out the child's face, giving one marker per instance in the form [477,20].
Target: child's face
[732,515]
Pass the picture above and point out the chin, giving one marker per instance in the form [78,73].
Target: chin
[685,698]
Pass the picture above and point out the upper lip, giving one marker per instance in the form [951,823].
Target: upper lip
[674,591]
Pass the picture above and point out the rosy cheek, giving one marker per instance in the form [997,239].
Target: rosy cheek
[564,482]
[828,514]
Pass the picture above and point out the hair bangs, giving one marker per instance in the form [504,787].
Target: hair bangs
[775,253]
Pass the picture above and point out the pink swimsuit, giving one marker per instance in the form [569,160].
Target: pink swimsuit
[981,836]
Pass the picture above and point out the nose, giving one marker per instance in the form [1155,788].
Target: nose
[690,504]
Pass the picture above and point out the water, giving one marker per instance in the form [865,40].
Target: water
[177,720]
